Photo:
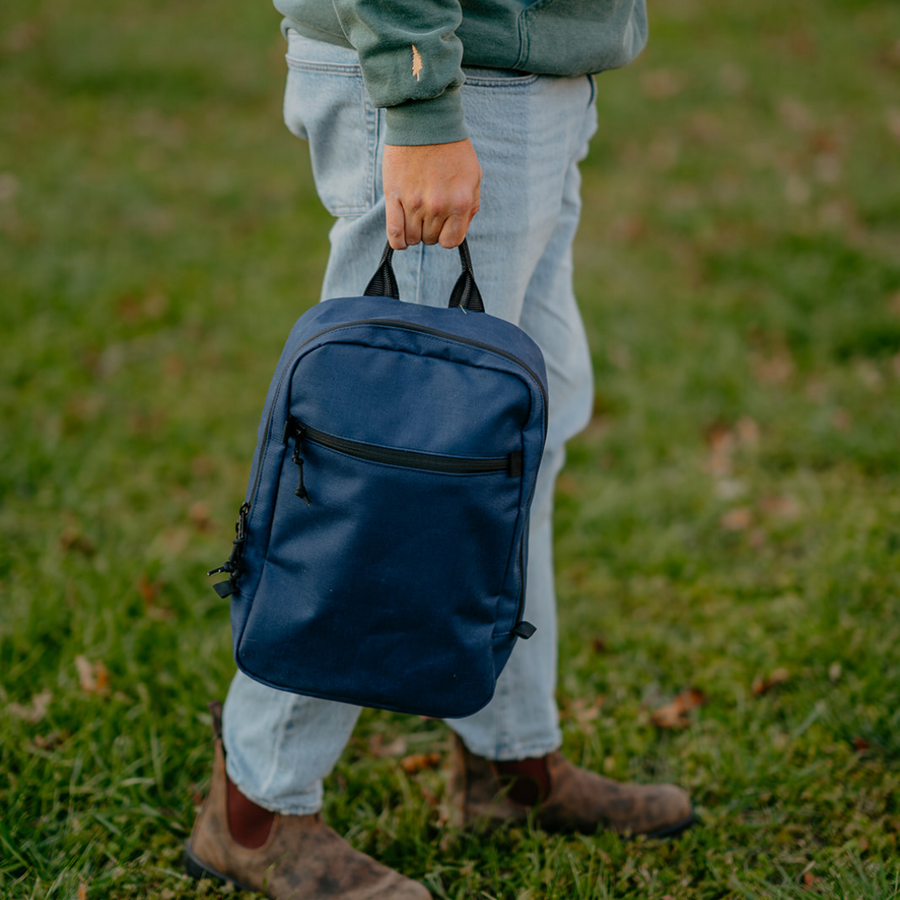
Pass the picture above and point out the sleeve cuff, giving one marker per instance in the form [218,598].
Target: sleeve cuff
[417,122]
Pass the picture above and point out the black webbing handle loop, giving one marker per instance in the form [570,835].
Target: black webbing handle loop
[465,292]
[383,283]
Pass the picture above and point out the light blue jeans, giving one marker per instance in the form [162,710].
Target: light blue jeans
[530,133]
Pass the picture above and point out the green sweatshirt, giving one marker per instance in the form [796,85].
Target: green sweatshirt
[412,51]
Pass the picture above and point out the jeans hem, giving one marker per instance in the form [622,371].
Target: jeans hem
[516,752]
[306,808]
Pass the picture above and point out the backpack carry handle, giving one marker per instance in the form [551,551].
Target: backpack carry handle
[465,292]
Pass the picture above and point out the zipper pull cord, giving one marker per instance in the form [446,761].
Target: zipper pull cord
[233,564]
[300,490]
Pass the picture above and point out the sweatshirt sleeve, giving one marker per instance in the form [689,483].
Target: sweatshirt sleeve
[411,63]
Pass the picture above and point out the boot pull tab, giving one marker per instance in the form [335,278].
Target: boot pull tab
[215,709]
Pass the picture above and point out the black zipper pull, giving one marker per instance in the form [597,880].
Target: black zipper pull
[300,490]
[292,426]
[233,565]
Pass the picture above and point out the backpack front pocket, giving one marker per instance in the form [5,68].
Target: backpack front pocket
[429,547]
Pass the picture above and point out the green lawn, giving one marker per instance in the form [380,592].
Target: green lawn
[730,521]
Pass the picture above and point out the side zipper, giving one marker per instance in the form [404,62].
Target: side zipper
[521,628]
[410,459]
[233,565]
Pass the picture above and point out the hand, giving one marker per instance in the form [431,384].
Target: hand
[431,193]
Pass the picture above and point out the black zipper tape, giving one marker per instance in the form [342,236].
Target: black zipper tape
[410,459]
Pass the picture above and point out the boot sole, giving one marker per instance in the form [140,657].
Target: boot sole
[485,824]
[673,830]
[195,868]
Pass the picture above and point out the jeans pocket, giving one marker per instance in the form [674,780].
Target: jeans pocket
[325,103]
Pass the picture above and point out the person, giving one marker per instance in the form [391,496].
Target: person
[433,120]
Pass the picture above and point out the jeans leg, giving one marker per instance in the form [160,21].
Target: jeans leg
[281,745]
[529,132]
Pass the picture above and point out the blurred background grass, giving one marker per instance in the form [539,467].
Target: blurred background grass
[729,520]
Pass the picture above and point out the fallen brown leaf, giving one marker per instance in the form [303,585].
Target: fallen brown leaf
[416,762]
[841,420]
[50,741]
[660,84]
[860,744]
[762,685]
[809,879]
[36,711]
[738,519]
[585,713]
[82,892]
[675,714]
[782,507]
[429,798]
[94,677]
[775,368]
[199,516]
[149,590]
[72,540]
[892,120]
[721,440]
[378,748]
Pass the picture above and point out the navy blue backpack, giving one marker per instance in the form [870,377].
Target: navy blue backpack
[380,554]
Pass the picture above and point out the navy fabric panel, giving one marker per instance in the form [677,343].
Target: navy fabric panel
[410,400]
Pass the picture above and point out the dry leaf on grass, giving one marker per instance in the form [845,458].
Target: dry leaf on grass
[724,441]
[783,507]
[675,714]
[584,713]
[762,685]
[36,711]
[661,84]
[94,677]
[50,741]
[379,749]
[150,591]
[738,519]
[73,540]
[721,442]
[82,892]
[860,744]
[416,762]
[200,517]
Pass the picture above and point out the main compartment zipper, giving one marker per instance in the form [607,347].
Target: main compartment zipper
[391,456]
[391,323]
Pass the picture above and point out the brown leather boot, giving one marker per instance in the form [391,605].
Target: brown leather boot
[300,858]
[563,797]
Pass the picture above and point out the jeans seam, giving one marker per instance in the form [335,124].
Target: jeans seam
[301,65]
[282,731]
[371,152]
[503,83]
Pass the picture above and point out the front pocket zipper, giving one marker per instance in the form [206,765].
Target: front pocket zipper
[391,456]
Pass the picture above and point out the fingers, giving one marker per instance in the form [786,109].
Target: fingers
[396,223]
[432,193]
[446,225]
[454,230]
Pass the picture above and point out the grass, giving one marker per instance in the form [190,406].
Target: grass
[728,520]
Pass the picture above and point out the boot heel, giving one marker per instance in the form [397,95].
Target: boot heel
[193,868]
[198,870]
